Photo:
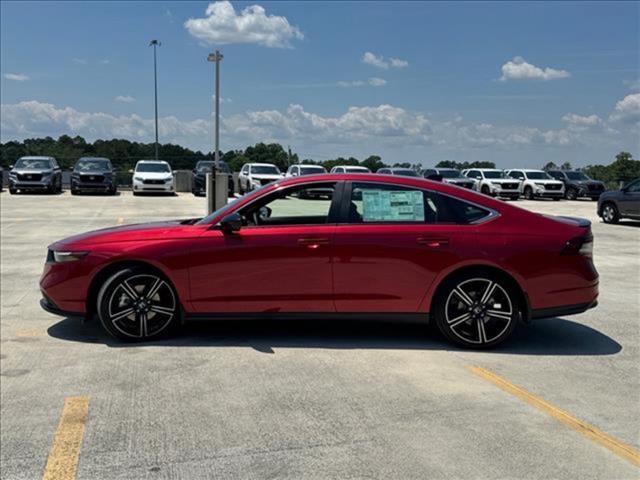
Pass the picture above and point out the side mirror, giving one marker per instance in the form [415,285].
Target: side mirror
[11,167]
[231,224]
[130,171]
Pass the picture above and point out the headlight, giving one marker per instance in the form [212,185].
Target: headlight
[140,179]
[168,179]
[61,257]
[540,185]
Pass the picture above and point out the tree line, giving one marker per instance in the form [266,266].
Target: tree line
[124,154]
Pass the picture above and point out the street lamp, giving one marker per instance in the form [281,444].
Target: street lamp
[155,44]
[217,57]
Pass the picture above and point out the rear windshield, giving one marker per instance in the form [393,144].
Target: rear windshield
[202,166]
[33,164]
[86,165]
[311,170]
[450,173]
[494,174]
[406,172]
[152,167]
[538,176]
[265,169]
[357,170]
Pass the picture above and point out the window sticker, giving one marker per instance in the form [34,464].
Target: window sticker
[392,206]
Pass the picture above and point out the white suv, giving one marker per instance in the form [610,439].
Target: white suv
[152,176]
[349,169]
[255,175]
[537,183]
[493,182]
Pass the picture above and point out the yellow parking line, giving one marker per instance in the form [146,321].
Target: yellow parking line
[621,449]
[65,451]
[28,333]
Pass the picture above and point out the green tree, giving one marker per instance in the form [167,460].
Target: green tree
[550,166]
[566,166]
[374,163]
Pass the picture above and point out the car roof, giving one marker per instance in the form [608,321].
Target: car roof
[35,157]
[93,158]
[488,169]
[351,166]
[309,166]
[152,161]
[261,164]
[439,169]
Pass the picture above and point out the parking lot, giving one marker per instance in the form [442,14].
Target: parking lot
[316,399]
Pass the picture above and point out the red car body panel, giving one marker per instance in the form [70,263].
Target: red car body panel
[337,267]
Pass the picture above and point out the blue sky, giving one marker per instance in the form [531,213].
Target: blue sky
[516,83]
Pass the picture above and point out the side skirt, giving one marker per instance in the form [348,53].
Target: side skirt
[349,316]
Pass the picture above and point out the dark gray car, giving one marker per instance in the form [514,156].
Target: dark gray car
[624,203]
[35,173]
[93,174]
[578,184]
[450,175]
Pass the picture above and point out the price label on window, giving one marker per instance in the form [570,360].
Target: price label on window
[392,206]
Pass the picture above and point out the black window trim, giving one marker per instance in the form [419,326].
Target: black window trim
[345,198]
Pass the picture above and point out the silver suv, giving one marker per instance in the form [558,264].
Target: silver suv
[494,182]
[35,173]
[537,184]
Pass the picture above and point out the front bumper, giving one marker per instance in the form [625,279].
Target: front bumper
[26,185]
[140,186]
[48,306]
[504,192]
[549,193]
[92,187]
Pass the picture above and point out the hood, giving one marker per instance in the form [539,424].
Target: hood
[92,172]
[42,171]
[458,180]
[266,176]
[131,233]
[546,181]
[153,175]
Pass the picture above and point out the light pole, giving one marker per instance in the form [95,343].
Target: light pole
[155,43]
[217,57]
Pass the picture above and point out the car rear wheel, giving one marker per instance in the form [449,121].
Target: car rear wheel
[610,213]
[477,310]
[485,190]
[136,304]
[571,194]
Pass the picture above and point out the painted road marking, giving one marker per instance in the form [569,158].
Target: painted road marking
[28,333]
[65,451]
[120,221]
[619,448]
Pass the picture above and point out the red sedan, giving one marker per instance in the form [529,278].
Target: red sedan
[376,246]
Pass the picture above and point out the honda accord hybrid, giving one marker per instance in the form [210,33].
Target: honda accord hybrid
[379,247]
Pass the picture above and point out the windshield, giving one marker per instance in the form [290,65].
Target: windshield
[407,172]
[450,173]
[577,176]
[33,164]
[202,166]
[265,169]
[87,165]
[312,170]
[226,208]
[494,174]
[538,175]
[356,170]
[152,167]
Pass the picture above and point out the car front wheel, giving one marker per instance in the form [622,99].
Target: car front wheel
[610,213]
[571,194]
[477,311]
[528,193]
[136,304]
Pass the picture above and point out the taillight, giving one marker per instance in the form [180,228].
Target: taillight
[579,246]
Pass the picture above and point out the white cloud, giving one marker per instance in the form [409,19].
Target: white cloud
[222,25]
[577,122]
[627,110]
[33,118]
[397,63]
[373,81]
[125,99]
[222,99]
[105,61]
[18,77]
[519,69]
[79,61]
[379,61]
[633,85]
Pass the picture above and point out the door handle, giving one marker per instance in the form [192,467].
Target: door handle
[313,243]
[433,242]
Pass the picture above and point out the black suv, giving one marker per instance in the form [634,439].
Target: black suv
[203,167]
[35,173]
[93,174]
[577,184]
[624,203]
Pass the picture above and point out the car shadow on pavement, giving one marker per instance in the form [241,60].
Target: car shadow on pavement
[553,336]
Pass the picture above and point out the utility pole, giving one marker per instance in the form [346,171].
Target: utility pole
[217,57]
[155,43]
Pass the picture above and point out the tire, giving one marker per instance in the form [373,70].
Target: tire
[610,213]
[528,193]
[485,190]
[74,191]
[571,194]
[556,199]
[135,194]
[462,313]
[152,303]
[13,191]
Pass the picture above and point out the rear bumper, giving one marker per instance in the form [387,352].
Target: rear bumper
[563,310]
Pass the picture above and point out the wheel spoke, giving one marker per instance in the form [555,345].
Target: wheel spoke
[130,291]
[458,320]
[488,292]
[482,335]
[122,314]
[142,318]
[154,288]
[500,315]
[465,298]
[159,309]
